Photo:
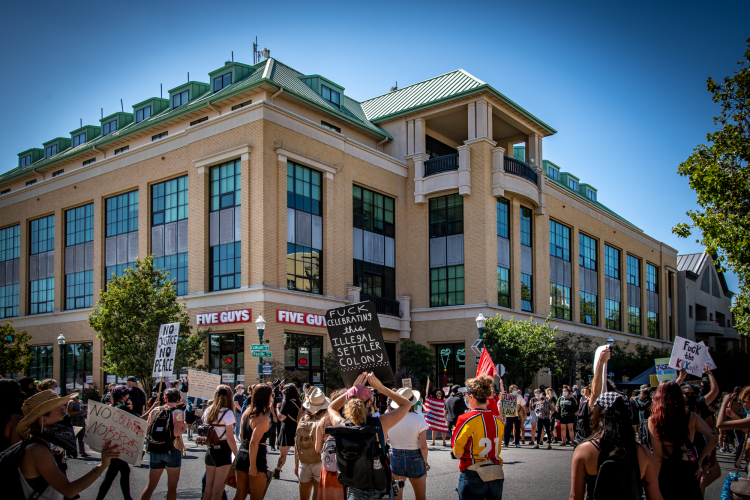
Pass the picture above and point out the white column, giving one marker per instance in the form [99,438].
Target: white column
[419,135]
[464,170]
[405,307]
[534,150]
[352,294]
[481,111]
[418,177]
[472,121]
[498,171]
[409,137]
[489,121]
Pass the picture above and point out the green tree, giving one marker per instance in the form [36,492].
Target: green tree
[127,318]
[333,373]
[627,362]
[575,354]
[719,174]
[15,352]
[523,347]
[417,359]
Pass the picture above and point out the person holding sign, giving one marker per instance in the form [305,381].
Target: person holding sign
[119,396]
[513,413]
[39,471]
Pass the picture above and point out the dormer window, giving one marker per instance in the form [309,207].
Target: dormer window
[50,151]
[573,184]
[331,95]
[179,99]
[142,114]
[553,172]
[79,139]
[222,81]
[25,160]
[109,127]
[591,194]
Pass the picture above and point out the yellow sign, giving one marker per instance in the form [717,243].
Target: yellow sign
[654,381]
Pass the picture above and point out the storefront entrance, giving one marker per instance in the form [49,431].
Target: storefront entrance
[303,359]
[451,364]
[226,357]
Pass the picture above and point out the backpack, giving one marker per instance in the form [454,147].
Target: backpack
[617,479]
[207,432]
[304,441]
[360,459]
[328,455]
[10,460]
[160,435]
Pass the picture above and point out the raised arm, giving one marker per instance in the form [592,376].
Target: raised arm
[392,418]
[598,383]
[711,396]
[681,377]
[723,424]
[427,390]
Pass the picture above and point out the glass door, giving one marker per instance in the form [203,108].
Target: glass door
[451,364]
[303,359]
[226,357]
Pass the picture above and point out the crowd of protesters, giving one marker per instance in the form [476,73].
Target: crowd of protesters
[661,443]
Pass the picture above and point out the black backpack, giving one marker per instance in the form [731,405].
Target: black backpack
[10,459]
[160,435]
[617,479]
[360,458]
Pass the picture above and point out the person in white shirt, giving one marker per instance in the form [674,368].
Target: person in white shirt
[408,453]
[219,457]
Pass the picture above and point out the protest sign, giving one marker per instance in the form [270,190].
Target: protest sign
[597,354]
[709,359]
[663,371]
[406,383]
[688,355]
[202,384]
[508,404]
[357,342]
[106,423]
[166,348]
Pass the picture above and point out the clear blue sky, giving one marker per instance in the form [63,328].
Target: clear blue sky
[624,83]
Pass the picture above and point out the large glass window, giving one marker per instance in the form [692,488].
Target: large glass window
[226,259]
[142,114]
[653,325]
[303,262]
[503,217]
[559,240]
[446,219]
[179,99]
[177,268]
[634,278]
[42,357]
[303,359]
[611,262]
[331,95]
[559,301]
[226,357]
[612,314]
[10,250]
[374,213]
[573,184]
[589,309]
[122,218]
[652,278]
[25,160]
[451,364]
[79,228]
[525,226]
[222,81]
[78,366]
[109,127]
[79,139]
[652,285]
[42,290]
[634,320]
[503,287]
[50,151]
[586,251]
[634,270]
[527,303]
[169,203]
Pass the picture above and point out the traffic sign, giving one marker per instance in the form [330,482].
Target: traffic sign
[259,347]
[262,354]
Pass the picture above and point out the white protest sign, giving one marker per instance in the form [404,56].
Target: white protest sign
[597,354]
[688,355]
[106,423]
[166,348]
[202,384]
[111,379]
[663,371]
[406,383]
[709,360]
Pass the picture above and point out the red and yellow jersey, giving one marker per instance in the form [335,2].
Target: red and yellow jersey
[477,438]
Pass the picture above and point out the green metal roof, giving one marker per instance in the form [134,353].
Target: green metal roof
[442,88]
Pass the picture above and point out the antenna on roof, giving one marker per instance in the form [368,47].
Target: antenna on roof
[395,87]
[255,51]
[122,108]
[102,112]
[81,122]
[161,90]
[232,56]
[188,75]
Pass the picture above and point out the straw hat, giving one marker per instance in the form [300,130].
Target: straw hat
[316,401]
[412,396]
[39,405]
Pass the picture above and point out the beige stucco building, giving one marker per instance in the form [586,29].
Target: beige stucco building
[272,191]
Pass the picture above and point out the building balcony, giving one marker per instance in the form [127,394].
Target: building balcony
[441,164]
[708,326]
[383,305]
[519,168]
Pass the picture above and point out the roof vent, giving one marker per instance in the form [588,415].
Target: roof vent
[394,88]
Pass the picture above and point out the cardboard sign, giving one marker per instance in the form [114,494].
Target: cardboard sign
[654,380]
[688,355]
[598,353]
[406,383]
[166,348]
[508,404]
[106,423]
[357,342]
[202,384]
[663,371]
[709,359]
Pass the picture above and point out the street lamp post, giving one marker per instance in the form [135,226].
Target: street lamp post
[63,384]
[260,324]
[481,321]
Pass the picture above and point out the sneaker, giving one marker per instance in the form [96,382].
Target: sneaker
[277,474]
[549,446]
[563,444]
[523,442]
[518,445]
[536,446]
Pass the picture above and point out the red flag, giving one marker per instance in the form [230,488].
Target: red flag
[486,366]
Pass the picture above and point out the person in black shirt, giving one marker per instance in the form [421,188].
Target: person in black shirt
[567,407]
[289,414]
[642,405]
[239,401]
[137,396]
[119,396]
[455,406]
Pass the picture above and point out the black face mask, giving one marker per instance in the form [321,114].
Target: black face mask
[60,434]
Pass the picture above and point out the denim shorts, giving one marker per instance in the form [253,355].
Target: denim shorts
[171,460]
[407,463]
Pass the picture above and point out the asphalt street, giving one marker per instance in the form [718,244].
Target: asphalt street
[529,474]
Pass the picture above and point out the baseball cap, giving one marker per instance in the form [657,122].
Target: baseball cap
[455,387]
